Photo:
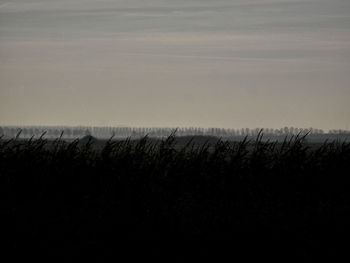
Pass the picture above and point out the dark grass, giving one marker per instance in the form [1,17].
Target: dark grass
[77,195]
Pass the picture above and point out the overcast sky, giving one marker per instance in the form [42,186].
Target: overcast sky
[222,63]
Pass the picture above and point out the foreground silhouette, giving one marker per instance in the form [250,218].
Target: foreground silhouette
[77,195]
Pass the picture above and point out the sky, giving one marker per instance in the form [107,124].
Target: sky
[175,63]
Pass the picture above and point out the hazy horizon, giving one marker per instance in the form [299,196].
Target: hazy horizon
[199,63]
[255,130]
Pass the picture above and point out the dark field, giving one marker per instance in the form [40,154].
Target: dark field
[89,194]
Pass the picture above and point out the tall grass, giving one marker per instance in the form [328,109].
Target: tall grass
[148,189]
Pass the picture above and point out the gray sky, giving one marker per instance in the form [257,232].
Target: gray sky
[222,63]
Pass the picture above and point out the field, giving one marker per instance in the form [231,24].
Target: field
[85,193]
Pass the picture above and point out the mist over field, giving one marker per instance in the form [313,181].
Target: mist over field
[230,64]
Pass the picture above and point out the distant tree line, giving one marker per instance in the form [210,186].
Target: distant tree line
[123,132]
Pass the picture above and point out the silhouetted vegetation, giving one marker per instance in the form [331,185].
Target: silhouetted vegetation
[146,189]
[71,133]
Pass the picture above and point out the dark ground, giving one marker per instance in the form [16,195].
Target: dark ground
[291,198]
